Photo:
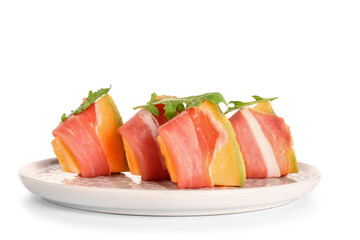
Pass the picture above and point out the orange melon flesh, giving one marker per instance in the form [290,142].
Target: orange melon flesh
[168,160]
[66,158]
[109,120]
[264,107]
[267,108]
[228,167]
[131,159]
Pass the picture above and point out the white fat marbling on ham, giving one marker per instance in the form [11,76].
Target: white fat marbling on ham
[151,122]
[98,115]
[264,145]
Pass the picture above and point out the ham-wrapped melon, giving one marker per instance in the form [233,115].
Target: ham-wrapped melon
[139,134]
[87,142]
[200,148]
[265,141]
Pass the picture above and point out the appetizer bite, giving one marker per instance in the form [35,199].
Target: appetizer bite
[265,141]
[142,150]
[86,140]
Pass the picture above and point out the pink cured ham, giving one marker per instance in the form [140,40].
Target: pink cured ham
[279,137]
[264,140]
[140,133]
[79,134]
[193,138]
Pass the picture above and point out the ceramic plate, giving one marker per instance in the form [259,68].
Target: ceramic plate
[127,194]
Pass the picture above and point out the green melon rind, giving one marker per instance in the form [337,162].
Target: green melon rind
[241,181]
[114,109]
[118,118]
[232,137]
[294,168]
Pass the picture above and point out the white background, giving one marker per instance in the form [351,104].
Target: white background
[306,52]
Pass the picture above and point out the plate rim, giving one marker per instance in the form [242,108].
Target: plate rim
[22,175]
[166,202]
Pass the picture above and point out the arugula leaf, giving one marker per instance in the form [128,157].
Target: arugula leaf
[91,98]
[239,104]
[175,105]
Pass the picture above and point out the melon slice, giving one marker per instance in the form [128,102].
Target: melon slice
[228,167]
[169,163]
[108,121]
[264,107]
[66,158]
[131,159]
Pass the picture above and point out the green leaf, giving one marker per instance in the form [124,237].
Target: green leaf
[63,117]
[153,97]
[151,108]
[170,111]
[175,105]
[239,104]
[91,98]
[180,108]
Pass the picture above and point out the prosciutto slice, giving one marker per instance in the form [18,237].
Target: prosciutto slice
[79,134]
[190,152]
[140,132]
[201,145]
[265,141]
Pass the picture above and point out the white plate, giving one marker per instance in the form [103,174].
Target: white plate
[127,194]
